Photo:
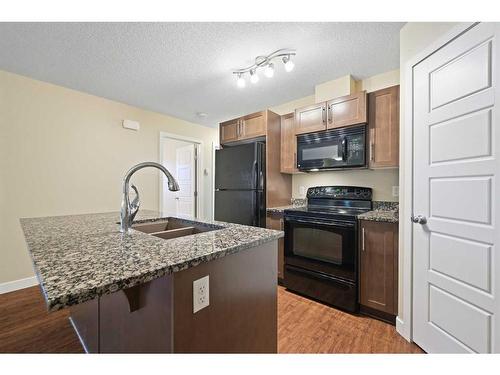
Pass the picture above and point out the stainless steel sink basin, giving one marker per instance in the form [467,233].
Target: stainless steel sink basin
[173,228]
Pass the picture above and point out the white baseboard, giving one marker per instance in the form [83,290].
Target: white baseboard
[402,329]
[12,286]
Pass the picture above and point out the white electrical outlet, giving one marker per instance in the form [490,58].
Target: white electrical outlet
[302,191]
[395,191]
[201,294]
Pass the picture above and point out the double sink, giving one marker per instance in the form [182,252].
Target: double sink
[172,228]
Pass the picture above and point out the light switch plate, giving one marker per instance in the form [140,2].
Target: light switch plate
[201,294]
[395,191]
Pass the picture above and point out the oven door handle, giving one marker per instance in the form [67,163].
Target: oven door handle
[329,223]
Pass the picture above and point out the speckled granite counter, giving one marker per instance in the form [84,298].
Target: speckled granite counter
[383,211]
[80,257]
[296,202]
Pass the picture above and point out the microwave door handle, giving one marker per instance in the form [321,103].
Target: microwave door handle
[344,149]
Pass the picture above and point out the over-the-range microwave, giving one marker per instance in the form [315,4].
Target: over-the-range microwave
[332,149]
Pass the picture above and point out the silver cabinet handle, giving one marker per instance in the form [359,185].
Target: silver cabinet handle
[363,239]
[329,114]
[323,115]
[419,219]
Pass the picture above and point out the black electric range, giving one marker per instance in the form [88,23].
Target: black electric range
[321,244]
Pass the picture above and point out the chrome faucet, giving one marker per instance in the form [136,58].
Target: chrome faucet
[129,209]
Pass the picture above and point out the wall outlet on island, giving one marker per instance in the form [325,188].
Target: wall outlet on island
[201,296]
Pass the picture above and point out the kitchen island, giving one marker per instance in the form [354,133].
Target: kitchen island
[134,292]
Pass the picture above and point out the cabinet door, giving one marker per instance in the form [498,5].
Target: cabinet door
[347,110]
[229,131]
[253,126]
[275,221]
[378,266]
[383,124]
[310,119]
[288,144]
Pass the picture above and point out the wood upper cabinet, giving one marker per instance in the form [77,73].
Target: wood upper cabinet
[246,127]
[347,110]
[288,144]
[253,126]
[229,131]
[310,119]
[275,221]
[378,266]
[383,125]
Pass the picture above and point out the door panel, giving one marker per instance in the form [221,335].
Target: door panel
[237,206]
[236,167]
[253,126]
[186,178]
[378,266]
[288,144]
[347,110]
[229,131]
[383,124]
[455,302]
[456,133]
[310,119]
[471,70]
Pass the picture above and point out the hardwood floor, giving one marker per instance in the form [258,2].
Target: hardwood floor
[304,326]
[27,327]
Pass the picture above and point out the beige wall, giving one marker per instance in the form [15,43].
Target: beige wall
[65,152]
[381,181]
[414,37]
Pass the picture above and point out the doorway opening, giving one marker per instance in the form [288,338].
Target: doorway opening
[181,156]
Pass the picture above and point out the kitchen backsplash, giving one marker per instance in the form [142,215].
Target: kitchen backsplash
[381,181]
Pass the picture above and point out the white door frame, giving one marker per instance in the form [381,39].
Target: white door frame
[404,322]
[199,169]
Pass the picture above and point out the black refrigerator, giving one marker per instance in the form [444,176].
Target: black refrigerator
[240,186]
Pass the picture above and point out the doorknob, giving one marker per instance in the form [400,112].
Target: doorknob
[419,219]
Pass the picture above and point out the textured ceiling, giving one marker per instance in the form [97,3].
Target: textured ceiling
[184,68]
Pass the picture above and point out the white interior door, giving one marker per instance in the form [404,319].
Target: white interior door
[456,139]
[186,177]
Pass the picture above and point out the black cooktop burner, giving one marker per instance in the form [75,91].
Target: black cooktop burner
[335,202]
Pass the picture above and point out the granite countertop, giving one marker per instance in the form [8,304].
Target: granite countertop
[80,257]
[387,212]
[295,203]
[388,216]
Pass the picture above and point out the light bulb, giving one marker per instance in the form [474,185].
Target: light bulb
[254,78]
[240,82]
[269,70]
[289,65]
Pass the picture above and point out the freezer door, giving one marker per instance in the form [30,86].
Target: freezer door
[245,207]
[240,167]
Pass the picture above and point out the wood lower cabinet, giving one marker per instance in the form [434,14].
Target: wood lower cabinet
[378,269]
[310,119]
[347,110]
[383,125]
[288,144]
[275,221]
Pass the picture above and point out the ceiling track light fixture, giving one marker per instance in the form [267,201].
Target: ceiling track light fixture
[266,63]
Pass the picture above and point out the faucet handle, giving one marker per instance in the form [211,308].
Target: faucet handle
[134,205]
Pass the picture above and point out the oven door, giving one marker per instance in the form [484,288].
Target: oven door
[320,245]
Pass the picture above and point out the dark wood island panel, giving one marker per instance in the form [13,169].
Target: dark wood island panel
[157,317]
